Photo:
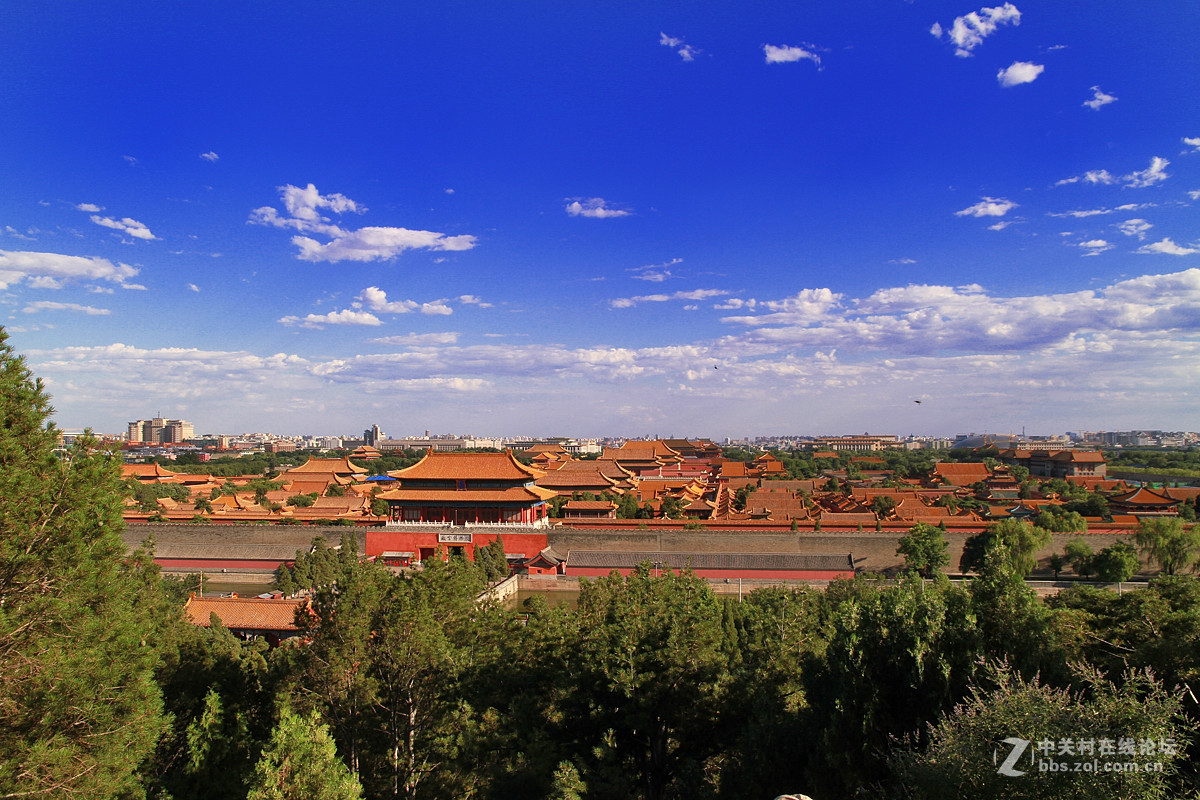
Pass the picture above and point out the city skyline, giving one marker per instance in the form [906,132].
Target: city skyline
[703,220]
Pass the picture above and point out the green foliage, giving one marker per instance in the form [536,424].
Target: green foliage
[672,507]
[79,708]
[302,500]
[334,490]
[961,758]
[1061,522]
[492,560]
[651,668]
[147,494]
[1118,562]
[1080,556]
[1021,542]
[924,548]
[896,658]
[301,763]
[1169,543]
[883,506]
[740,496]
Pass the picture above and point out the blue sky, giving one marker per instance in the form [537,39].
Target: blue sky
[620,218]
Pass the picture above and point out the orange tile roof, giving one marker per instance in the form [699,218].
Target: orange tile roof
[336,466]
[468,466]
[522,494]
[245,613]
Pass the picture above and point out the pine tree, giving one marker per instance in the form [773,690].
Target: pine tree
[301,763]
[79,708]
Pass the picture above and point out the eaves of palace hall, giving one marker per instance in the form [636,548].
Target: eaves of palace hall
[489,494]
[469,489]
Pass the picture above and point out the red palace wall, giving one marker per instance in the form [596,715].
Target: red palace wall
[424,544]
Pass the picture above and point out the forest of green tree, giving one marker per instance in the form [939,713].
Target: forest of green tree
[650,687]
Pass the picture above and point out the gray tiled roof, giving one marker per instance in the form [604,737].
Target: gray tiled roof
[611,559]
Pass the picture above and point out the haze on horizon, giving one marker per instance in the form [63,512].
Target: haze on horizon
[713,220]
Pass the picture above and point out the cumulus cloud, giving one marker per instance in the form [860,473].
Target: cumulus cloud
[472,300]
[685,51]
[210,156]
[1192,142]
[1095,247]
[1099,99]
[820,354]
[655,273]
[127,226]
[1153,174]
[16,266]
[1167,247]
[304,209]
[375,299]
[1134,227]
[1139,179]
[695,294]
[988,207]
[344,317]
[941,319]
[90,208]
[594,207]
[968,32]
[51,305]
[418,339]
[1019,72]
[787,54]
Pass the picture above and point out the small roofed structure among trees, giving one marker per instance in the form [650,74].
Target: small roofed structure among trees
[273,619]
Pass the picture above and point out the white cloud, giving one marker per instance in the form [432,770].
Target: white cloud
[1155,173]
[1099,99]
[193,287]
[1195,195]
[376,300]
[988,207]
[50,305]
[968,31]
[418,339]
[786,54]
[90,208]
[472,300]
[833,362]
[17,266]
[1192,142]
[128,226]
[695,294]
[1168,247]
[1095,247]
[304,207]
[210,156]
[343,317]
[1140,179]
[594,207]
[685,51]
[1019,72]
[1134,227]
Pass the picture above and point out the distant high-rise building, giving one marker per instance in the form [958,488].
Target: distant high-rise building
[373,436]
[160,431]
